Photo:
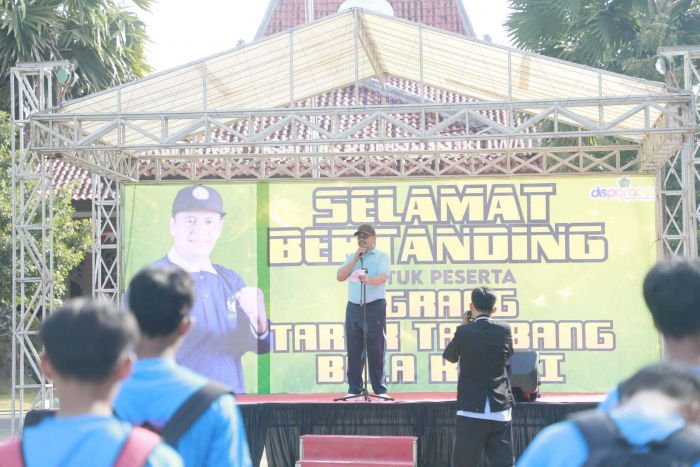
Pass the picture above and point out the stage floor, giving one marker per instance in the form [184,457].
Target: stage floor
[404,397]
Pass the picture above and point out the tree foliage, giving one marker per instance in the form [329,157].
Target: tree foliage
[104,41]
[617,35]
[72,239]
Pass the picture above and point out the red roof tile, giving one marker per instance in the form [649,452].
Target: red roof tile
[64,173]
[449,15]
[344,97]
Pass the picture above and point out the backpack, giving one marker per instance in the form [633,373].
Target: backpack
[135,452]
[609,448]
[189,412]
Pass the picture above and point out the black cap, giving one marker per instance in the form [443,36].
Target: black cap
[198,197]
[365,229]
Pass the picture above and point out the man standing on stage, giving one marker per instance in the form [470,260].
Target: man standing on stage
[370,267]
[229,318]
[484,396]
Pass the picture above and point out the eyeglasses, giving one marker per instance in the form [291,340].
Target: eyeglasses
[363,236]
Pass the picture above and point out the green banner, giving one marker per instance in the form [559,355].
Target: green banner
[565,255]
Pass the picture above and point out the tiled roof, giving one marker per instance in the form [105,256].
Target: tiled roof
[345,97]
[449,15]
[284,14]
[64,173]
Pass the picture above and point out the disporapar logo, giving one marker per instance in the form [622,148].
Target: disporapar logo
[624,191]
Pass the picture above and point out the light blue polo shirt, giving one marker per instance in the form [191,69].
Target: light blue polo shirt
[376,262]
[157,387]
[94,440]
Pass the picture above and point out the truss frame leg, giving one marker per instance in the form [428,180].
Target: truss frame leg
[31,91]
[106,241]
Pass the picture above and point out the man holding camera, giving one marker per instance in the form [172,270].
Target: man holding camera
[484,396]
[370,267]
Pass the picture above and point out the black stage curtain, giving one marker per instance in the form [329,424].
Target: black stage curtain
[277,427]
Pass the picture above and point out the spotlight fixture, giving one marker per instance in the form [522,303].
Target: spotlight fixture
[66,76]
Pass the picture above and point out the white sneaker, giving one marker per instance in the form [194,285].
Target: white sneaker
[350,394]
[384,396]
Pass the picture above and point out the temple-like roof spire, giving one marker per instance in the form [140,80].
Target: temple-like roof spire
[449,15]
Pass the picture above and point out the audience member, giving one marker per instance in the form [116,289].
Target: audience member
[166,396]
[672,294]
[655,424]
[87,350]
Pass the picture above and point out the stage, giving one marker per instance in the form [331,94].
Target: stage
[275,422]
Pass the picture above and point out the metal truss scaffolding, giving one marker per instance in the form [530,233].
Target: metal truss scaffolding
[678,180]
[192,123]
[32,237]
[418,140]
[106,219]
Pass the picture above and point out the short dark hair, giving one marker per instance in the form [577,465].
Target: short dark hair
[670,378]
[85,339]
[672,293]
[159,298]
[484,299]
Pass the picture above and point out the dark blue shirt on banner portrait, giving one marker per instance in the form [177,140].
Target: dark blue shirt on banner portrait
[221,332]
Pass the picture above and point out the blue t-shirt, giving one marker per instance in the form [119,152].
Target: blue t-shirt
[92,440]
[376,262]
[563,445]
[221,332]
[157,387]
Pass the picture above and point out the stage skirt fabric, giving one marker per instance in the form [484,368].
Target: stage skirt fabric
[277,427]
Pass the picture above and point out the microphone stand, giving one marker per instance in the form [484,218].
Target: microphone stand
[364,394]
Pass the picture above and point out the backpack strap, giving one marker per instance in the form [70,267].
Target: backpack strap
[685,444]
[190,411]
[601,437]
[137,448]
[597,428]
[11,454]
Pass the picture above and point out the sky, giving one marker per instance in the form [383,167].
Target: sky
[183,31]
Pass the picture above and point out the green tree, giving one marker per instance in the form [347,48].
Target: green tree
[104,41]
[617,35]
[72,239]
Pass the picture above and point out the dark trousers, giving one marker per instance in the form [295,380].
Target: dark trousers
[376,345]
[474,436]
